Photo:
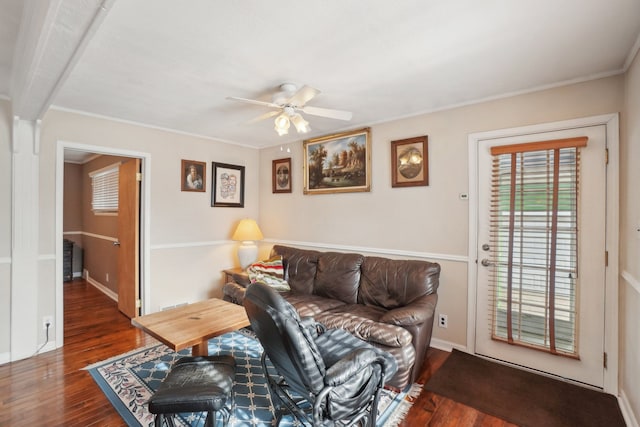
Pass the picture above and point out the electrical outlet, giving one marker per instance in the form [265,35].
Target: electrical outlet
[443,320]
[47,321]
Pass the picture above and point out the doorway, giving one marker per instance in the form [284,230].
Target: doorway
[141,228]
[592,312]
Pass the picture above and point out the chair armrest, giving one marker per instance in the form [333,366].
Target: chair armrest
[312,326]
[419,311]
[344,369]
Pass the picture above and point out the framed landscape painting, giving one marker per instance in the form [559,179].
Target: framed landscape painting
[410,162]
[339,163]
[228,185]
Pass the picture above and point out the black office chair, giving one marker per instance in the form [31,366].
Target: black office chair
[323,377]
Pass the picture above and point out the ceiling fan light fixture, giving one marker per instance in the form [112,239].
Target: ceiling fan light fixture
[302,126]
[282,124]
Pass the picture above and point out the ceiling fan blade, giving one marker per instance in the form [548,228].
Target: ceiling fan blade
[254,102]
[302,96]
[326,112]
[264,116]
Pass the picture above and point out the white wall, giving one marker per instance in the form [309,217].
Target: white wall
[630,244]
[189,243]
[5,227]
[423,222]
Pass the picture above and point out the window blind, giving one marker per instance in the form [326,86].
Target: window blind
[104,183]
[534,244]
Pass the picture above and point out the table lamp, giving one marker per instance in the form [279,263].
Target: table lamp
[247,232]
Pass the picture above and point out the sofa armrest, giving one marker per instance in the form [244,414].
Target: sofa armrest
[415,313]
[241,279]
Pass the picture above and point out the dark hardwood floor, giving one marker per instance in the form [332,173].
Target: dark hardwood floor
[52,388]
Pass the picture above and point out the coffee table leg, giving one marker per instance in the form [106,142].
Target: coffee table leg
[201,349]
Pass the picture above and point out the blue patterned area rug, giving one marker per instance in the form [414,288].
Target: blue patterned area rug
[129,380]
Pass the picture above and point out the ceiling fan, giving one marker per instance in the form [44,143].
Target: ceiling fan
[289,102]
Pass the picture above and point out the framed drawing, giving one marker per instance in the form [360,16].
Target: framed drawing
[193,175]
[339,163]
[410,162]
[228,185]
[281,175]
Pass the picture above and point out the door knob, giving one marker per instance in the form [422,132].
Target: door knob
[485,247]
[485,262]
[116,243]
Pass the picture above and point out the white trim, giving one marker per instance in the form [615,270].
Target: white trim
[611,121]
[632,281]
[627,411]
[447,346]
[148,126]
[345,248]
[361,249]
[5,358]
[5,260]
[191,244]
[46,257]
[145,223]
[632,54]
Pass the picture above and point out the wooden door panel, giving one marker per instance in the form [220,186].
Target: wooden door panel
[128,235]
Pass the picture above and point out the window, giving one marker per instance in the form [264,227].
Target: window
[534,241]
[104,183]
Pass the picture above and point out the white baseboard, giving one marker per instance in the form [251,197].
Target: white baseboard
[99,286]
[446,345]
[6,357]
[627,411]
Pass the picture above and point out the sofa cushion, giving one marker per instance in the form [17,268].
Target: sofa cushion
[393,283]
[299,267]
[311,305]
[338,276]
[362,321]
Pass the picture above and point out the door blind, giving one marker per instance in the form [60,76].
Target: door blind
[534,244]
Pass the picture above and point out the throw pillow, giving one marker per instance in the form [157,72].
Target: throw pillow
[270,272]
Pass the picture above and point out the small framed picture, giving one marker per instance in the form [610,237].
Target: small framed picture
[281,175]
[410,162]
[193,176]
[228,185]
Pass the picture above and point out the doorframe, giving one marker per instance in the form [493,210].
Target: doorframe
[611,123]
[145,235]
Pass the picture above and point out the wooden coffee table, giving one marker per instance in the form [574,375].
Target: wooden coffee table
[192,325]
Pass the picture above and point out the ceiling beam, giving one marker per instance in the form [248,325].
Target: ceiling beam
[52,37]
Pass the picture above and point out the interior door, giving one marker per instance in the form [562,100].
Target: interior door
[128,235]
[588,366]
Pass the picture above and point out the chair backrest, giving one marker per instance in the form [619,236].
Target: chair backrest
[286,340]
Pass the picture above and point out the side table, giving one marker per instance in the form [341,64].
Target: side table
[229,274]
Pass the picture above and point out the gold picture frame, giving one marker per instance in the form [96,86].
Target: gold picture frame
[338,163]
[410,162]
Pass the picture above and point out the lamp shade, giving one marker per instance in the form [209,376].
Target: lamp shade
[247,230]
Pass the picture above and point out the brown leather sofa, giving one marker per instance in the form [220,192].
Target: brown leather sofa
[388,303]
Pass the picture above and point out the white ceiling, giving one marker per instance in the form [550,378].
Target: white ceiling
[171,64]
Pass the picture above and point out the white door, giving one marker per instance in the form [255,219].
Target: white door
[587,366]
